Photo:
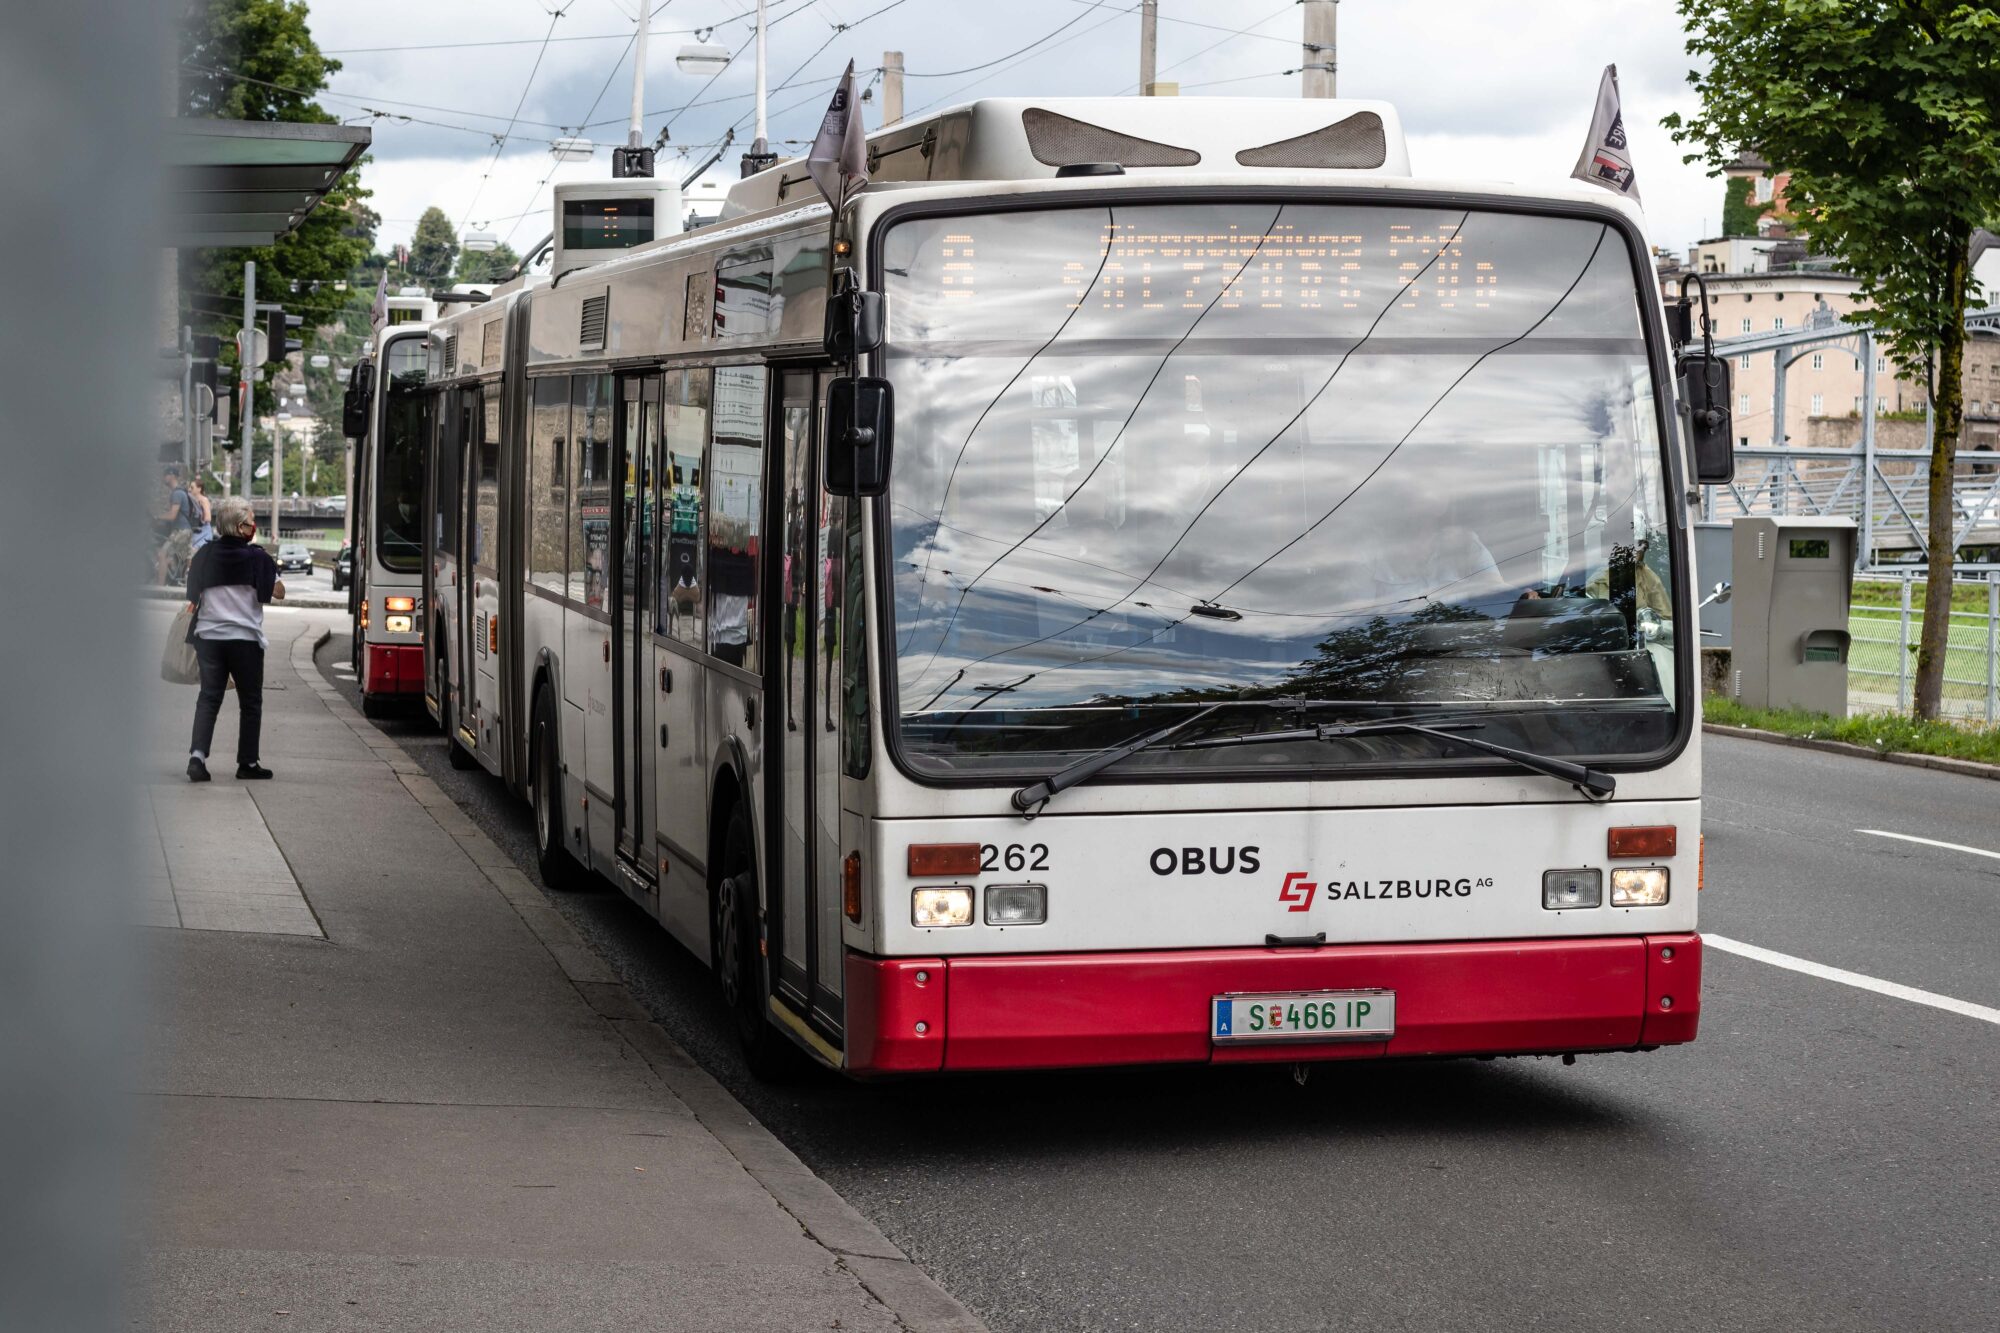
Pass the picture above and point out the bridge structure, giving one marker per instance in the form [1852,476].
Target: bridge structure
[1885,491]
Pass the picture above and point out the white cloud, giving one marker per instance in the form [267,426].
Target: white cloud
[1486,89]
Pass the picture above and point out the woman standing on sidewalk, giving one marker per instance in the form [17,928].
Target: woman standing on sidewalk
[229,581]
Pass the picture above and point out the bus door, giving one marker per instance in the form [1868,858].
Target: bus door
[481,679]
[803,799]
[634,529]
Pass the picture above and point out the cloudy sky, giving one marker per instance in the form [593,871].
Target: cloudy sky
[1494,89]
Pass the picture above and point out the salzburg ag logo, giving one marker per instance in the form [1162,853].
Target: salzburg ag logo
[1297,891]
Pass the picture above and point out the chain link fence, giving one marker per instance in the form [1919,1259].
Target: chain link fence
[1882,659]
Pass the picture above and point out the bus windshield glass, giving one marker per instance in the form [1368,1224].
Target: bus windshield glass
[399,529]
[1368,459]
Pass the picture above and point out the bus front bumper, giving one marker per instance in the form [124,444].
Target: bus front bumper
[1051,1011]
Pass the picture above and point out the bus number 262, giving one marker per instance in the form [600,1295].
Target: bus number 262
[1013,856]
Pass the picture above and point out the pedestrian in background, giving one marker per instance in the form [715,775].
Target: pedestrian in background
[204,515]
[229,582]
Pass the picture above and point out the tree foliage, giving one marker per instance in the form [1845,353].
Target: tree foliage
[256,60]
[1883,111]
[487,265]
[1740,210]
[433,247]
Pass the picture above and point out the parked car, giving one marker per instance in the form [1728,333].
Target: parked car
[343,568]
[292,556]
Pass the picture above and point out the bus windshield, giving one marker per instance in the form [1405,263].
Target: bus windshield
[399,528]
[1276,455]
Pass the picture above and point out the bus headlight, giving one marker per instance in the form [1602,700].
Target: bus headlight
[950,906]
[1562,889]
[1639,886]
[1017,904]
[397,624]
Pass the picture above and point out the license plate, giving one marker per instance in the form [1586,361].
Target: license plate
[1321,1015]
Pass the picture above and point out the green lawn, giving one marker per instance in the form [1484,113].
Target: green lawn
[1874,730]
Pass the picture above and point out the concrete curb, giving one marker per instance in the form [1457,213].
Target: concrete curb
[909,1294]
[1970,768]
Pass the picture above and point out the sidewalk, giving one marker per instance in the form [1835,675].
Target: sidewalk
[390,1089]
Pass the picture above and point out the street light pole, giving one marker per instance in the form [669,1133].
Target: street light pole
[892,87]
[1149,33]
[246,350]
[1318,68]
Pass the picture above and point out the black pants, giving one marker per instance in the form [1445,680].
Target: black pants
[241,660]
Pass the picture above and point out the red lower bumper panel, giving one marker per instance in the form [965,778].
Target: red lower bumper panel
[1048,1011]
[393,668]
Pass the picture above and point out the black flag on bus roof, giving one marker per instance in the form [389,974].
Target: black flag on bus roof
[839,157]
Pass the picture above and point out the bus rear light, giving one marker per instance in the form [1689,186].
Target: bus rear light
[399,603]
[944,906]
[1639,886]
[492,634]
[1017,904]
[850,887]
[398,624]
[1564,889]
[944,858]
[1649,841]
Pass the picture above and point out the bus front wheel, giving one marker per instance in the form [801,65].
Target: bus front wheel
[770,1055]
[559,869]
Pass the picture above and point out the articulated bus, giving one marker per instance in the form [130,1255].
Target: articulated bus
[387,390]
[1227,614]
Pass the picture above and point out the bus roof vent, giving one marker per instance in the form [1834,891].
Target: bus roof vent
[596,314]
[1356,143]
[451,354]
[1059,141]
[489,344]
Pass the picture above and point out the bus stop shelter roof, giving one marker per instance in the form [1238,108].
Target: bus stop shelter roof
[248,182]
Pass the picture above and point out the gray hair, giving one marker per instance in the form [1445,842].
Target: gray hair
[233,516]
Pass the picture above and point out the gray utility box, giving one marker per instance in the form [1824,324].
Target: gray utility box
[1793,579]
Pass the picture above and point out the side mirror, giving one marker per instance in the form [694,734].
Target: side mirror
[1705,388]
[856,322]
[860,430]
[354,403]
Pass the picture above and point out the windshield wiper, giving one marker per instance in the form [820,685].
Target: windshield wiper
[1036,794]
[1592,784]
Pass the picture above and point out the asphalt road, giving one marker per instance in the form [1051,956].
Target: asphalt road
[1823,1158]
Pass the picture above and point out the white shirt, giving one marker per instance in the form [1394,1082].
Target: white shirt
[231,612]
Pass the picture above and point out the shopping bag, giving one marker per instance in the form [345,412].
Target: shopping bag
[177,660]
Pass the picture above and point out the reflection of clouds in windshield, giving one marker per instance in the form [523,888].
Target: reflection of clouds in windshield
[1108,486]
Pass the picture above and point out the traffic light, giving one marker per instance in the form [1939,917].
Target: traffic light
[277,328]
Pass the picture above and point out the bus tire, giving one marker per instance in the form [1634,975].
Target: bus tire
[767,1051]
[560,870]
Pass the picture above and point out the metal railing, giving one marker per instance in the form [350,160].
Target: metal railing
[1885,491]
[1882,659]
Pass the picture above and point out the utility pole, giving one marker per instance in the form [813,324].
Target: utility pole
[246,358]
[1318,68]
[1149,39]
[892,87]
[763,144]
[635,158]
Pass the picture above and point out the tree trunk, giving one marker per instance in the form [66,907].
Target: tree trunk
[1948,416]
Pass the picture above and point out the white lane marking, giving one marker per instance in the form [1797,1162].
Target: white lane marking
[1894,990]
[1931,842]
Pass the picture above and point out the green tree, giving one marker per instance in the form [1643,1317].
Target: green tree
[1740,211]
[433,247]
[487,265]
[1883,111]
[256,60]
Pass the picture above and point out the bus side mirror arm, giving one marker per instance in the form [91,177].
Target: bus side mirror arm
[856,321]
[860,434]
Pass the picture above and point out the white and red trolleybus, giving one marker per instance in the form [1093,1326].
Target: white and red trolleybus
[387,394]
[1258,644]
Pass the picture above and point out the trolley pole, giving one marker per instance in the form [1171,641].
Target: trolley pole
[1318,68]
[892,87]
[635,136]
[1149,37]
[247,348]
[763,145]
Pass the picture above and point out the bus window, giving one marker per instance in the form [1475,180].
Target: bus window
[548,546]
[590,528]
[686,439]
[399,493]
[735,513]
[486,500]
